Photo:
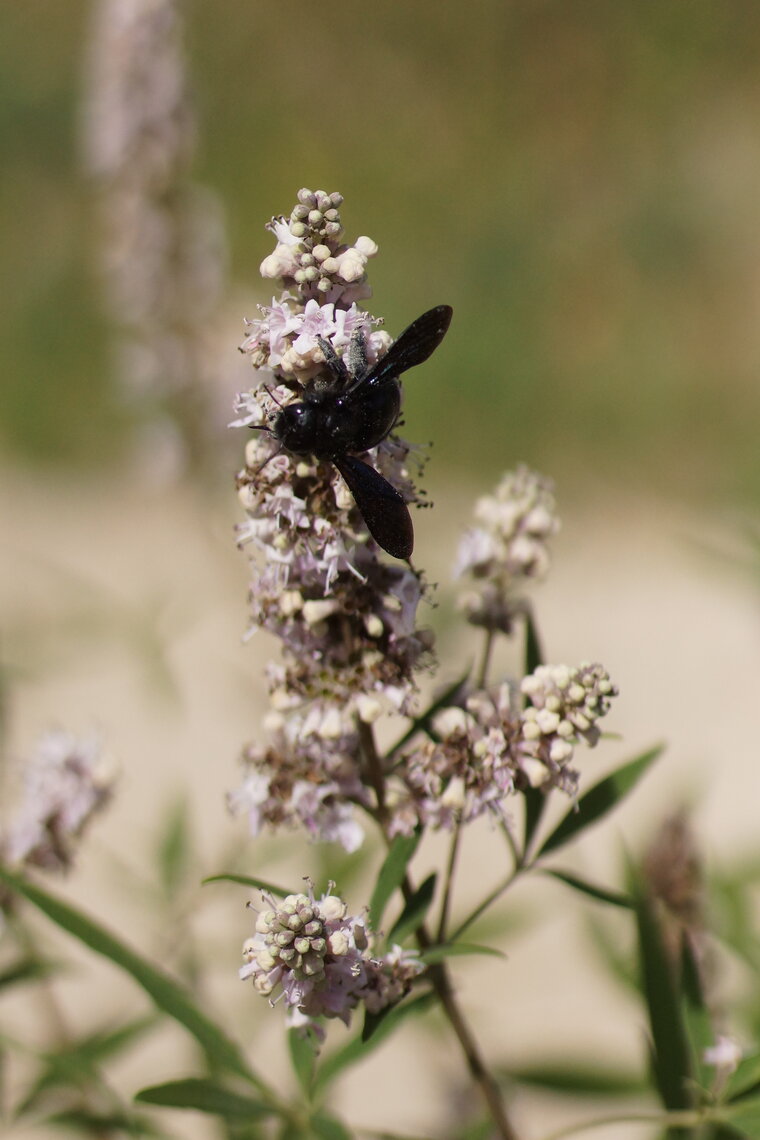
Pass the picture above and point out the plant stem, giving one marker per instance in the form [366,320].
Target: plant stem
[446,901]
[480,683]
[488,900]
[438,972]
[481,1076]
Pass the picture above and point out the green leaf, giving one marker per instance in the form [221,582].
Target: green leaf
[84,1122]
[204,1095]
[745,1115]
[303,1053]
[533,652]
[413,914]
[326,1127]
[248,881]
[745,1079]
[579,1079]
[672,1058]
[391,875]
[600,800]
[165,992]
[174,849]
[77,1063]
[601,894]
[534,805]
[697,1019]
[457,949]
[358,1049]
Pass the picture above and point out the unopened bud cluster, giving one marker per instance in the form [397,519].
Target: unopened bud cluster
[319,957]
[565,704]
[491,748]
[66,782]
[310,258]
[295,937]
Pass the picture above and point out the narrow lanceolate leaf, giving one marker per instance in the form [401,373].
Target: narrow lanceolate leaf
[248,881]
[697,1016]
[82,1122]
[601,894]
[533,653]
[671,1054]
[413,914]
[600,800]
[174,849]
[745,1116]
[580,1079]
[302,1057]
[745,1080]
[534,804]
[170,997]
[326,1127]
[205,1096]
[457,950]
[379,1029]
[78,1061]
[391,875]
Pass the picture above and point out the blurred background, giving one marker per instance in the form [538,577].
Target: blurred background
[579,181]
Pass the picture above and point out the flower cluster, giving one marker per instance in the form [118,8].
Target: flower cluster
[491,748]
[508,548]
[66,783]
[318,958]
[345,618]
[308,776]
[565,705]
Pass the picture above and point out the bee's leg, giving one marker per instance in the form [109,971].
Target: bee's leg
[333,361]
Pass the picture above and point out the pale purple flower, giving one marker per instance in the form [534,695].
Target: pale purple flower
[307,776]
[565,705]
[317,958]
[507,549]
[311,952]
[491,748]
[65,783]
[725,1054]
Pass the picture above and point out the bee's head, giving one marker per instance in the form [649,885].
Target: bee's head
[295,427]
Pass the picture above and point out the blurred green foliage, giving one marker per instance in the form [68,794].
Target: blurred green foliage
[578,180]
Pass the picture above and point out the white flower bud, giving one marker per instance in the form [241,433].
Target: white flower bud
[317,610]
[366,246]
[368,708]
[331,907]
[451,721]
[331,727]
[373,625]
[454,796]
[338,943]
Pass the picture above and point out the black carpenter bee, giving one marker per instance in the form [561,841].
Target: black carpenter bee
[355,410]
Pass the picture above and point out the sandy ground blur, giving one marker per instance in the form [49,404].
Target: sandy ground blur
[123,611]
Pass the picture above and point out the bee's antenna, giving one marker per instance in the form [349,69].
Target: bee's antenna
[268,460]
[272,396]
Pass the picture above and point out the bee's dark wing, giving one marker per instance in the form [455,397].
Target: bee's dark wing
[382,508]
[413,347]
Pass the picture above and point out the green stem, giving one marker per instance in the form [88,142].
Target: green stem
[482,676]
[446,901]
[490,898]
[438,972]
